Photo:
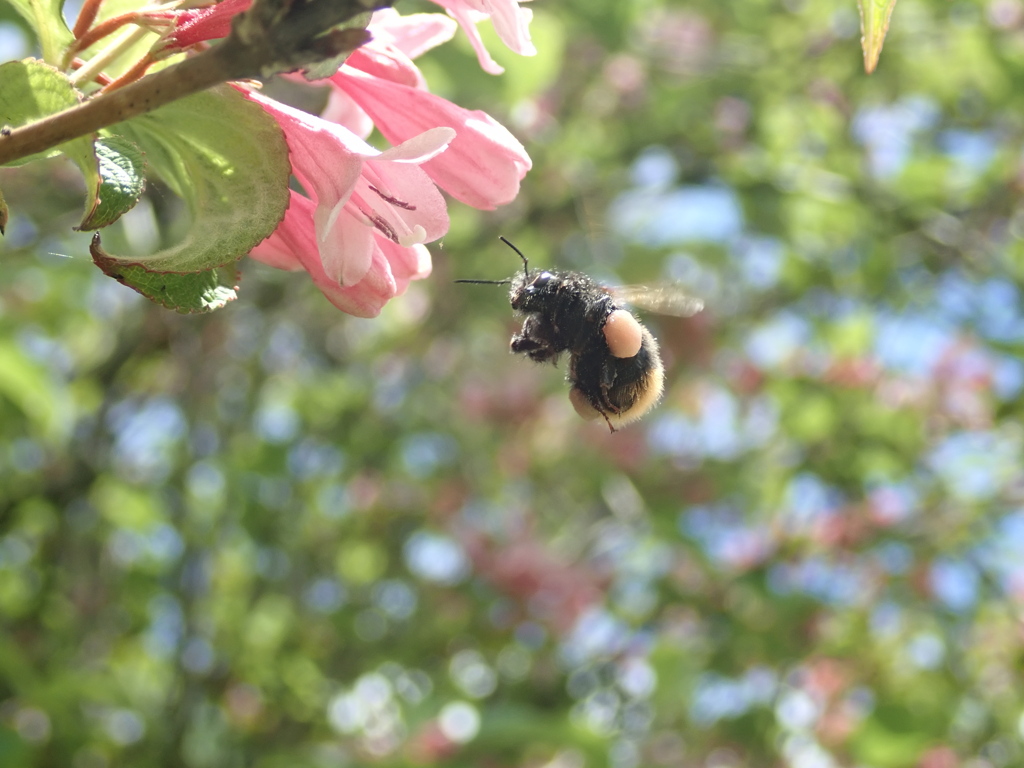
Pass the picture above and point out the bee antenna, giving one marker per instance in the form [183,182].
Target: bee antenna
[485,282]
[526,263]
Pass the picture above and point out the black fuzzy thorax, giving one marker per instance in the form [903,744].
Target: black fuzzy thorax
[567,311]
[572,306]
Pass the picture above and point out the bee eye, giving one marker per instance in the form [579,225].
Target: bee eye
[541,280]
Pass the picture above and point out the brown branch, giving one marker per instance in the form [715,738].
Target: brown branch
[273,36]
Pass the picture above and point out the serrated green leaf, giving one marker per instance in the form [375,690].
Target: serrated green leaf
[120,181]
[30,90]
[228,160]
[188,293]
[46,19]
[874,24]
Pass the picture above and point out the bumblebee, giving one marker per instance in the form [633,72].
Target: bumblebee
[615,369]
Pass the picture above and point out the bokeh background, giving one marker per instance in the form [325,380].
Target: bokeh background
[277,536]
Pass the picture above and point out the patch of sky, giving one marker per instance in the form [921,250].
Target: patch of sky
[205,481]
[760,261]
[26,455]
[955,583]
[686,270]
[658,212]
[999,554]
[390,386]
[910,342]
[273,563]
[145,434]
[888,132]
[166,625]
[808,499]
[312,458]
[597,635]
[724,537]
[718,431]
[894,557]
[775,341]
[695,213]
[977,466]
[325,595]
[925,650]
[70,9]
[992,306]
[971,151]
[14,43]
[15,552]
[276,422]
[655,168]
[334,501]
[832,583]
[284,350]
[886,619]
[426,452]
[717,697]
[395,598]
[1007,376]
[46,350]
[437,558]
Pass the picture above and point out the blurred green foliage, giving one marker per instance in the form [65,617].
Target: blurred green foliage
[278,536]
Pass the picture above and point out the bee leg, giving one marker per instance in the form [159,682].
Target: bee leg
[606,421]
[536,341]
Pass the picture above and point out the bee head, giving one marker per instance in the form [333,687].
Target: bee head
[532,291]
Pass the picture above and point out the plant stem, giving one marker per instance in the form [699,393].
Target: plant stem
[272,36]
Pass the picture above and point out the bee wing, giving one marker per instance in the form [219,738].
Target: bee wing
[670,300]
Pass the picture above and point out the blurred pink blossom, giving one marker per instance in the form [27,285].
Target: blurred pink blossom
[485,163]
[511,22]
[360,232]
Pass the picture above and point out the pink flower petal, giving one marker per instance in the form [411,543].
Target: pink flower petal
[511,22]
[387,62]
[484,164]
[414,34]
[198,24]
[341,109]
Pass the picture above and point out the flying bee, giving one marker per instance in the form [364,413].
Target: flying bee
[615,368]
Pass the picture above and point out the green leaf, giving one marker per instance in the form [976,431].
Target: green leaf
[119,182]
[46,19]
[30,90]
[188,293]
[330,66]
[874,24]
[227,158]
[26,385]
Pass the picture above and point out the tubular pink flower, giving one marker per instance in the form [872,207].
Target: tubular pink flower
[293,246]
[511,22]
[414,34]
[366,210]
[397,40]
[484,164]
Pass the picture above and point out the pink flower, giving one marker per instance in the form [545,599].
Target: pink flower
[360,232]
[293,246]
[511,22]
[194,25]
[397,40]
[485,163]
